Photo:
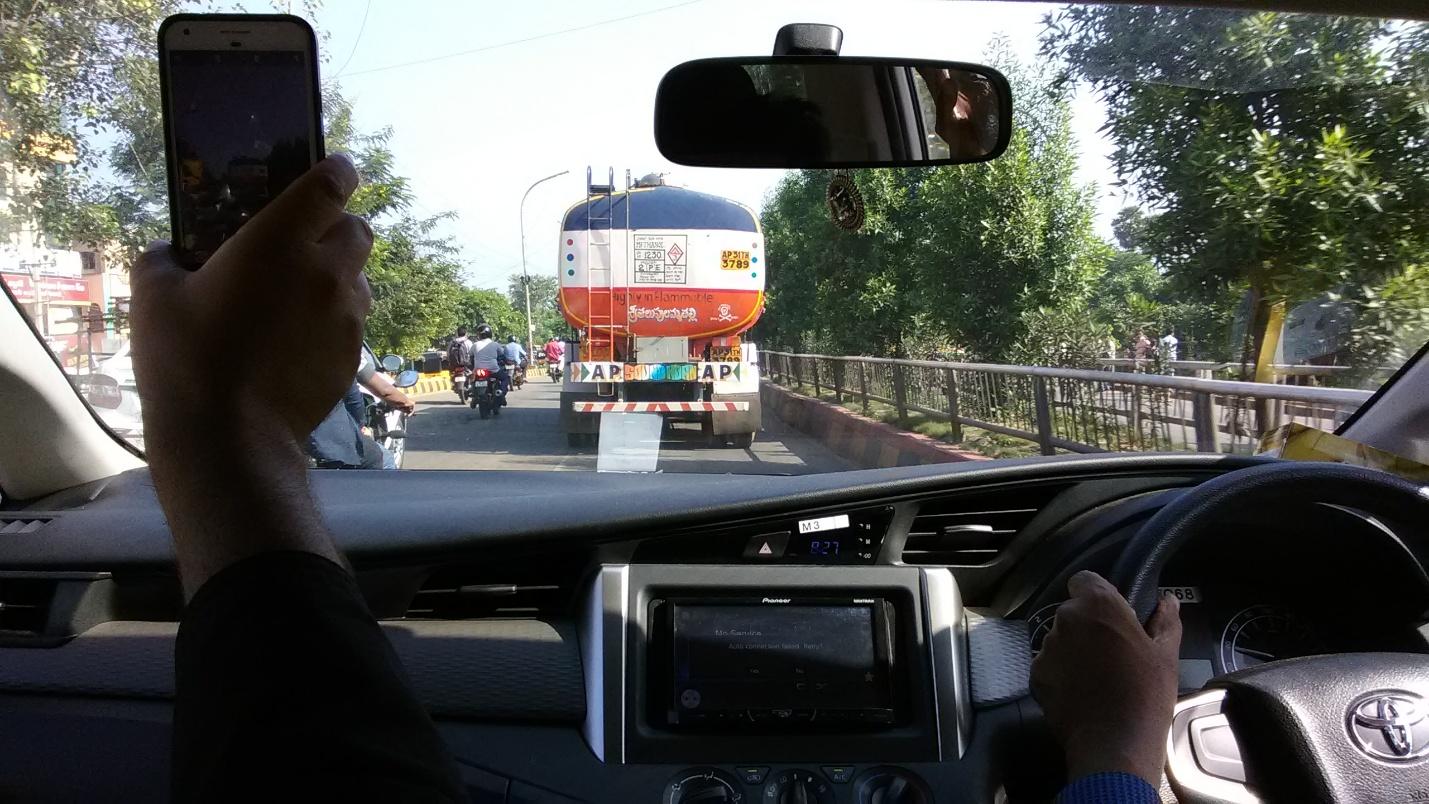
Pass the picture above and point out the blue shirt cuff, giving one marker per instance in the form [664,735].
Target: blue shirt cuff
[1109,788]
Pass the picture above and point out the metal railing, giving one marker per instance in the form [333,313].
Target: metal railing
[1074,410]
[1210,369]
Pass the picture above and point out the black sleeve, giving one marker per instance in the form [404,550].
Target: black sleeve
[287,689]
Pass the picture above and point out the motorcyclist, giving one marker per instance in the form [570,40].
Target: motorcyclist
[555,350]
[458,358]
[342,440]
[514,355]
[486,353]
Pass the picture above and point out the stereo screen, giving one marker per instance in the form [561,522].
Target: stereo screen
[807,657]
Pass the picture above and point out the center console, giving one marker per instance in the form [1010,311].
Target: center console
[791,683]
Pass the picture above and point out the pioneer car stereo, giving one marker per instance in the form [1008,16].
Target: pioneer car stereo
[802,663]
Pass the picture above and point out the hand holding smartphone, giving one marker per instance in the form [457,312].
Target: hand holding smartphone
[242,120]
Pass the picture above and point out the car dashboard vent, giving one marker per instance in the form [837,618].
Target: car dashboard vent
[532,589]
[25,606]
[23,524]
[973,529]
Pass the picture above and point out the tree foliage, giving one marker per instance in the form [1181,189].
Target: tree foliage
[948,258]
[417,291]
[70,72]
[546,318]
[1283,154]
[484,306]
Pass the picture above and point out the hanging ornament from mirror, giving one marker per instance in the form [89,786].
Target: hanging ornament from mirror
[845,201]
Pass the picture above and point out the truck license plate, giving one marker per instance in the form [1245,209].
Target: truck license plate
[734,260]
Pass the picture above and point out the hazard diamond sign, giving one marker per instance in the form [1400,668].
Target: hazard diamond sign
[675,253]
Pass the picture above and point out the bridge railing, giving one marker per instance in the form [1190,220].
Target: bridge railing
[1073,410]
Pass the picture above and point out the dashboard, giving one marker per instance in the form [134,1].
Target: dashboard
[853,638]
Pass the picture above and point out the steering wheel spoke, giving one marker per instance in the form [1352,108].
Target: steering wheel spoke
[1203,756]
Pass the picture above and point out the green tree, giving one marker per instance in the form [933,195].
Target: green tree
[68,72]
[483,306]
[546,318]
[1283,153]
[948,258]
[415,278]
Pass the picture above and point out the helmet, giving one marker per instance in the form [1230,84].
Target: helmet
[482,331]
[510,338]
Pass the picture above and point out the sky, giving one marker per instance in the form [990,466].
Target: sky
[484,101]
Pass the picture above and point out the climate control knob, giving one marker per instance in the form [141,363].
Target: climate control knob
[891,786]
[798,787]
[703,786]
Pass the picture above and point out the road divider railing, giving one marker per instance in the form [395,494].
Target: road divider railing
[1064,410]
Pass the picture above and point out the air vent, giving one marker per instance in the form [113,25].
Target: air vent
[25,605]
[973,529]
[537,588]
[10,526]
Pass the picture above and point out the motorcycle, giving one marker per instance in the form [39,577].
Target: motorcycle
[459,378]
[487,394]
[553,369]
[387,422]
[518,376]
[389,428]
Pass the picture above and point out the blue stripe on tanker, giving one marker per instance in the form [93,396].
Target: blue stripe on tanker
[665,208]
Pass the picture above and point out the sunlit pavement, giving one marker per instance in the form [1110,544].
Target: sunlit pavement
[448,435]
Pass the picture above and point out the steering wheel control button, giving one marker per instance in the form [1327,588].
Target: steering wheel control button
[1216,749]
[1391,725]
[839,774]
[752,774]
[798,787]
[767,546]
[690,699]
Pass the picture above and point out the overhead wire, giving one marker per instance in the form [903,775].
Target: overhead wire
[360,30]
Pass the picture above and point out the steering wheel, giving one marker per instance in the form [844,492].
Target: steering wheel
[1349,728]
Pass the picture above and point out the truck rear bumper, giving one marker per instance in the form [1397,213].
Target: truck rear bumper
[729,414]
[660,407]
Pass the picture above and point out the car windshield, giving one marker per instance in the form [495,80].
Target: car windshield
[1208,224]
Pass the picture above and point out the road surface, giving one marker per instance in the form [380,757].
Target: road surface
[527,435]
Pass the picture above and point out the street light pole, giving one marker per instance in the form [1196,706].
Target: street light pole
[526,276]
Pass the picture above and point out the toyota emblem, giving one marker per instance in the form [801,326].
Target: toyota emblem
[1392,725]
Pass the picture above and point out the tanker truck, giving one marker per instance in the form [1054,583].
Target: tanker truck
[661,283]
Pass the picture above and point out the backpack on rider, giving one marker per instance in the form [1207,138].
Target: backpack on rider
[459,352]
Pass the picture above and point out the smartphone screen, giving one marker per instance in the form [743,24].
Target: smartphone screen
[242,125]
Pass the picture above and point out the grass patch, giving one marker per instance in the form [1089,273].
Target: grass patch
[983,442]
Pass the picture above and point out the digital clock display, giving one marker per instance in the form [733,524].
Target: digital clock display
[824,548]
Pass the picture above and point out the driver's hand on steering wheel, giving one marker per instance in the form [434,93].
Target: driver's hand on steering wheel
[1106,684]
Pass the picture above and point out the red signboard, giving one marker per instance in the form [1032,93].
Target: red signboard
[51,288]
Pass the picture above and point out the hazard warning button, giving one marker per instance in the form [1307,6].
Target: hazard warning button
[767,546]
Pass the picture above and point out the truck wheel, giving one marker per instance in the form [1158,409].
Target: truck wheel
[575,440]
[742,440]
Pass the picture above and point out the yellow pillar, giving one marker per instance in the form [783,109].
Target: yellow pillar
[1270,344]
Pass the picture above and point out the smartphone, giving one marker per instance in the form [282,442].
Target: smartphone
[242,119]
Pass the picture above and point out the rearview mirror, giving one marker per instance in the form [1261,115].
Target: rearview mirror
[391,363]
[831,112]
[406,379]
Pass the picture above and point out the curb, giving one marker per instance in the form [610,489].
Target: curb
[865,441]
[430,384]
